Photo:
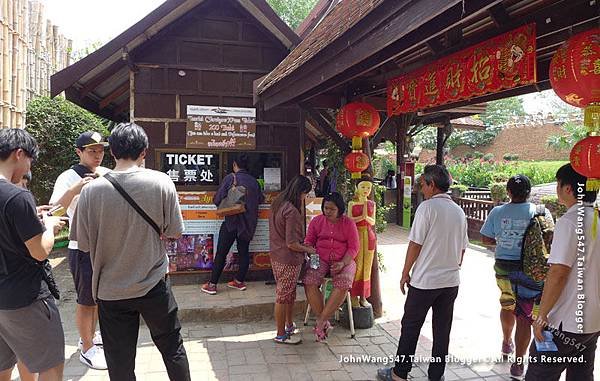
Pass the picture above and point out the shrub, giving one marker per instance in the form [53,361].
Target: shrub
[477,154]
[510,157]
[553,206]
[488,157]
[499,192]
[459,189]
[56,123]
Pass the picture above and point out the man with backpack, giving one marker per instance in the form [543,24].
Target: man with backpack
[123,219]
[517,230]
[568,325]
[90,149]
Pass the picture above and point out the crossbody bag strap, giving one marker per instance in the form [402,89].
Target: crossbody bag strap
[131,202]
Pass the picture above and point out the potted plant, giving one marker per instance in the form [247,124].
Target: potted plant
[498,192]
[458,190]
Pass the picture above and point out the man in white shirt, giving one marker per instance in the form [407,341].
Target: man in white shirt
[438,240]
[68,186]
[570,308]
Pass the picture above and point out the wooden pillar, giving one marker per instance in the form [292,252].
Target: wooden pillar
[439,156]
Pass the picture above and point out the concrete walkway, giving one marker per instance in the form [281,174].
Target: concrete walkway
[244,350]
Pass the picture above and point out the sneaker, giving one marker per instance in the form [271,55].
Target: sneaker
[516,371]
[287,339]
[209,288]
[291,329]
[94,358]
[237,285]
[507,348]
[97,341]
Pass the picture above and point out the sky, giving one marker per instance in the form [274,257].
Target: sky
[90,21]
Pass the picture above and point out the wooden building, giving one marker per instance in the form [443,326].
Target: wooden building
[190,52]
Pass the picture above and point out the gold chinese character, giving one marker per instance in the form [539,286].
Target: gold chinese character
[481,70]
[560,72]
[597,66]
[587,50]
[453,78]
[363,117]
[412,90]
[431,89]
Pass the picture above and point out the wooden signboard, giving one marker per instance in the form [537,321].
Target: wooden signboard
[221,128]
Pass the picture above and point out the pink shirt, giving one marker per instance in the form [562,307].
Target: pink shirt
[333,241]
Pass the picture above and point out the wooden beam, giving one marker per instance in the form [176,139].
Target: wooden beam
[121,108]
[435,46]
[325,128]
[122,89]
[390,40]
[499,15]
[454,36]
[96,81]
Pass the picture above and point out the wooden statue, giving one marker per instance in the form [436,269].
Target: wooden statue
[362,212]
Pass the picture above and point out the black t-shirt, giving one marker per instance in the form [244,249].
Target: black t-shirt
[21,281]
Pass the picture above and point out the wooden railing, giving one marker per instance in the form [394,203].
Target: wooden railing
[477,210]
[478,195]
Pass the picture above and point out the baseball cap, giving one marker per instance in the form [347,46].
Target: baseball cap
[90,138]
[519,185]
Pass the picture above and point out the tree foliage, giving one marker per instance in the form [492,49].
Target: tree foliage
[573,133]
[56,123]
[293,12]
[497,114]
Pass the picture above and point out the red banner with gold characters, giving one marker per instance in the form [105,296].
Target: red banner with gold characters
[503,62]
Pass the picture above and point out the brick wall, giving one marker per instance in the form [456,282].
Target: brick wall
[529,142]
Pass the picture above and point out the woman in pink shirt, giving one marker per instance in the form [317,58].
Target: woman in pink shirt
[335,238]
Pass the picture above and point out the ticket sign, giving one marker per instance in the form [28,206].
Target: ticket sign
[219,128]
[191,168]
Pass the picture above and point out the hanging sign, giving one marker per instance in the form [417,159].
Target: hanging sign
[186,168]
[503,62]
[221,128]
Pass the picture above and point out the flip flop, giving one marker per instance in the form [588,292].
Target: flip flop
[385,374]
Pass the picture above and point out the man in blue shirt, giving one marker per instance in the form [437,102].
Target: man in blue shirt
[505,228]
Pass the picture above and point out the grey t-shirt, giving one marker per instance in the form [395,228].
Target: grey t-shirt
[128,257]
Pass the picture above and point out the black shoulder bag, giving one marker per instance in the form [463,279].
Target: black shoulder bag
[134,204]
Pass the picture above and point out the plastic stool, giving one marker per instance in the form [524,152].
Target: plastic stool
[337,311]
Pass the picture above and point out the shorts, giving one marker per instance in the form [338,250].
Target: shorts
[80,264]
[518,293]
[342,280]
[286,280]
[34,335]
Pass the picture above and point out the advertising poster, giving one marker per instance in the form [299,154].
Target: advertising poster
[232,128]
[196,249]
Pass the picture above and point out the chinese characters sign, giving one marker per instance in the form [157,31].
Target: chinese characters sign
[191,168]
[219,128]
[500,63]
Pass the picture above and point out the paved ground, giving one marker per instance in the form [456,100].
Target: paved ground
[245,351]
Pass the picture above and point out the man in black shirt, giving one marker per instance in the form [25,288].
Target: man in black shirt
[30,326]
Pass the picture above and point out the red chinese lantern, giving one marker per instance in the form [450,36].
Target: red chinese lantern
[575,74]
[357,119]
[585,159]
[356,162]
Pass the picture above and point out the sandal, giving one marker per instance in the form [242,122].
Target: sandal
[385,374]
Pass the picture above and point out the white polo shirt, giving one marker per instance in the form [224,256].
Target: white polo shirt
[440,227]
[578,307]
[65,181]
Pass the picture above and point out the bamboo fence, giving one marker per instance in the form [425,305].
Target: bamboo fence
[32,50]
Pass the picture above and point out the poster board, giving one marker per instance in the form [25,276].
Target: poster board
[196,249]
[220,128]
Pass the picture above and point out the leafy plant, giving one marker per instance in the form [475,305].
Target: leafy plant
[55,124]
[293,12]
[554,206]
[498,192]
[510,157]
[488,157]
[573,133]
[459,188]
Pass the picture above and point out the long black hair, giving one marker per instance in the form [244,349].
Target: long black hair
[291,193]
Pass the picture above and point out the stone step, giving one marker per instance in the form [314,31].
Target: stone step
[255,303]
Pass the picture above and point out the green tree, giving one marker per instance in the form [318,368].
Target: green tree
[499,112]
[573,133]
[293,12]
[55,124]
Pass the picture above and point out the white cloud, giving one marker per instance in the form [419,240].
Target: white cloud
[88,21]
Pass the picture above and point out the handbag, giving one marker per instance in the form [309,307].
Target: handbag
[235,202]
